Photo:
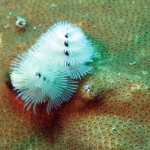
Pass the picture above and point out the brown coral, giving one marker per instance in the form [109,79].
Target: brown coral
[112,112]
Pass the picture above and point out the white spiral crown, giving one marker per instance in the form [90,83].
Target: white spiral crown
[47,72]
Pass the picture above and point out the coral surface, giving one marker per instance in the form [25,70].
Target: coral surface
[111,109]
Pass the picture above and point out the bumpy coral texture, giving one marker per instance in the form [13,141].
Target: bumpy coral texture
[110,110]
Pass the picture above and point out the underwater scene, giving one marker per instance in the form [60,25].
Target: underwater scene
[75,75]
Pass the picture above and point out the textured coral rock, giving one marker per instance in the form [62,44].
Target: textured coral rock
[110,110]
